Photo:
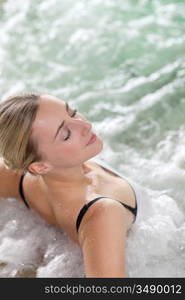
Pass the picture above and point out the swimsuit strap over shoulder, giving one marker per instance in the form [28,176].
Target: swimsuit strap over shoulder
[86,206]
[83,209]
[21,192]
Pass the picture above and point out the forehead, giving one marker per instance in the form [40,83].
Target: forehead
[48,102]
[50,113]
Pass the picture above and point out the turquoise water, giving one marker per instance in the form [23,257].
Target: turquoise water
[122,65]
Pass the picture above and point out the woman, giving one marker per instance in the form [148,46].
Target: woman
[45,147]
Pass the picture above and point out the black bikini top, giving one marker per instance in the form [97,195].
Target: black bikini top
[21,192]
[83,209]
[86,206]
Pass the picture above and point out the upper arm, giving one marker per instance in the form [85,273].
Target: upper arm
[9,182]
[102,239]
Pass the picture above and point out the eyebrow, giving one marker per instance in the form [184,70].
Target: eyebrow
[63,122]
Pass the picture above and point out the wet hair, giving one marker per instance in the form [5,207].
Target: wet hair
[17,114]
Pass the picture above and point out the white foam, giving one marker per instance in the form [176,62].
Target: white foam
[28,244]
[136,105]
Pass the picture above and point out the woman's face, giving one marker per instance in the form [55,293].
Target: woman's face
[62,135]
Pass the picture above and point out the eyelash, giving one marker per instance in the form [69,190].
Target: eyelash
[69,132]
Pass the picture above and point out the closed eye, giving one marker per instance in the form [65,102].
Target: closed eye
[69,131]
[74,113]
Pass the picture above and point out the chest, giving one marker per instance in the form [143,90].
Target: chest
[108,184]
[63,210]
[104,184]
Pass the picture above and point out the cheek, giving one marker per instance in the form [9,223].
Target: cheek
[73,148]
[73,154]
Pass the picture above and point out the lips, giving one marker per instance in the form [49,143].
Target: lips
[92,139]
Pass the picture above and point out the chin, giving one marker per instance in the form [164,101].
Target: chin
[99,147]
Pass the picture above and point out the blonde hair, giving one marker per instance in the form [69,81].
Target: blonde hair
[17,114]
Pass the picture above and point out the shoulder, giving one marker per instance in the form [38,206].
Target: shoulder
[106,213]
[9,182]
[102,239]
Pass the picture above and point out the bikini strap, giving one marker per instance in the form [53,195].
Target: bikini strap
[21,192]
[133,210]
[83,211]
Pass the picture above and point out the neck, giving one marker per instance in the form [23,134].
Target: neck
[68,178]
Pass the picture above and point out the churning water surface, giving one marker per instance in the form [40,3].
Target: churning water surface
[122,65]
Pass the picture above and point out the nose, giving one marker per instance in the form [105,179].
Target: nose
[81,124]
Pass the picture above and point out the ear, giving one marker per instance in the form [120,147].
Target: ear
[39,168]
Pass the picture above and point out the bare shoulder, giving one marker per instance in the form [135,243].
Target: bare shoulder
[102,214]
[9,182]
[102,239]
